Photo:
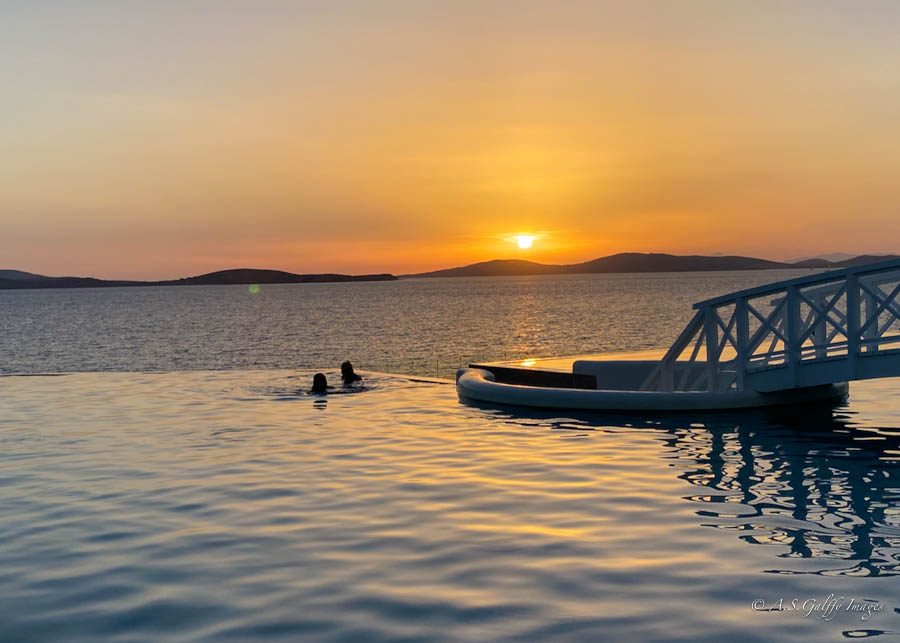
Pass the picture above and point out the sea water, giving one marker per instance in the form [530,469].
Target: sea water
[232,504]
[421,326]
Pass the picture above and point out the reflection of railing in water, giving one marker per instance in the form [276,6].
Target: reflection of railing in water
[807,481]
[823,494]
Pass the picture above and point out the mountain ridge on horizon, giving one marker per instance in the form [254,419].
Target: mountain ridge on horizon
[19,280]
[625,262]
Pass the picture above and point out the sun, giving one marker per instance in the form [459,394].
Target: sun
[524,240]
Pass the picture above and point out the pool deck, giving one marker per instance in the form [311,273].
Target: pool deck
[556,372]
[564,364]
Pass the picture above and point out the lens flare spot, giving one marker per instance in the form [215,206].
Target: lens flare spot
[254,288]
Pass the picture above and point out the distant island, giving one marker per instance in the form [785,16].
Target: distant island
[17,279]
[625,262]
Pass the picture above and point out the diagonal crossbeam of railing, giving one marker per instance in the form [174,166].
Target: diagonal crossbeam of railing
[883,303]
[823,314]
[825,322]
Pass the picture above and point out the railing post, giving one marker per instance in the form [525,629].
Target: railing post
[667,378]
[712,343]
[743,339]
[793,333]
[870,306]
[852,323]
[820,332]
[664,372]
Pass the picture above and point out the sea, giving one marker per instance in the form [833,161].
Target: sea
[166,476]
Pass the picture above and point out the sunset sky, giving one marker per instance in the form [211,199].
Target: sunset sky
[163,139]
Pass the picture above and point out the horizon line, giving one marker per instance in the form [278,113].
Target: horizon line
[402,274]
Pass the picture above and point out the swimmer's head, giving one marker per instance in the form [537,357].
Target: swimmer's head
[320,384]
[347,371]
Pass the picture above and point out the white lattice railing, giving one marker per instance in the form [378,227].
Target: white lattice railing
[832,318]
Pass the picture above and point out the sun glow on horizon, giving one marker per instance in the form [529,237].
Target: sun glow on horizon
[524,241]
[576,131]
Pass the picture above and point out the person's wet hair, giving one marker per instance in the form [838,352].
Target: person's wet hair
[347,373]
[320,383]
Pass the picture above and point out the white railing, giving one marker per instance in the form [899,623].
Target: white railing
[834,317]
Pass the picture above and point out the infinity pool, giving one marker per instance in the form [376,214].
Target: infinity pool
[184,506]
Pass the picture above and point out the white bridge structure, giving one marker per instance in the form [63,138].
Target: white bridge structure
[791,342]
[827,328]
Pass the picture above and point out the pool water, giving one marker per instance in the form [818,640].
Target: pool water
[231,504]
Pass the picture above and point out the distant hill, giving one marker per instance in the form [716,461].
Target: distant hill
[17,279]
[861,260]
[255,276]
[824,262]
[622,262]
[839,259]
[831,257]
[637,262]
[19,275]
[641,262]
[495,268]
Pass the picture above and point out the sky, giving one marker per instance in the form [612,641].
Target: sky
[149,140]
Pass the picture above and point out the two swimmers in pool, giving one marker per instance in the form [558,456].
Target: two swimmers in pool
[320,383]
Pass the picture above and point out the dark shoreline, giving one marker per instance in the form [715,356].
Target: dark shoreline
[639,262]
[237,277]
[622,263]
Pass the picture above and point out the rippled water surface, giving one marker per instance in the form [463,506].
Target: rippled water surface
[223,504]
[422,326]
[195,503]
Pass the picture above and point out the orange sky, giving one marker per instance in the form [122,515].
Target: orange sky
[158,141]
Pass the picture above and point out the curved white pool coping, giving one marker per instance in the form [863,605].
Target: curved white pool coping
[480,385]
